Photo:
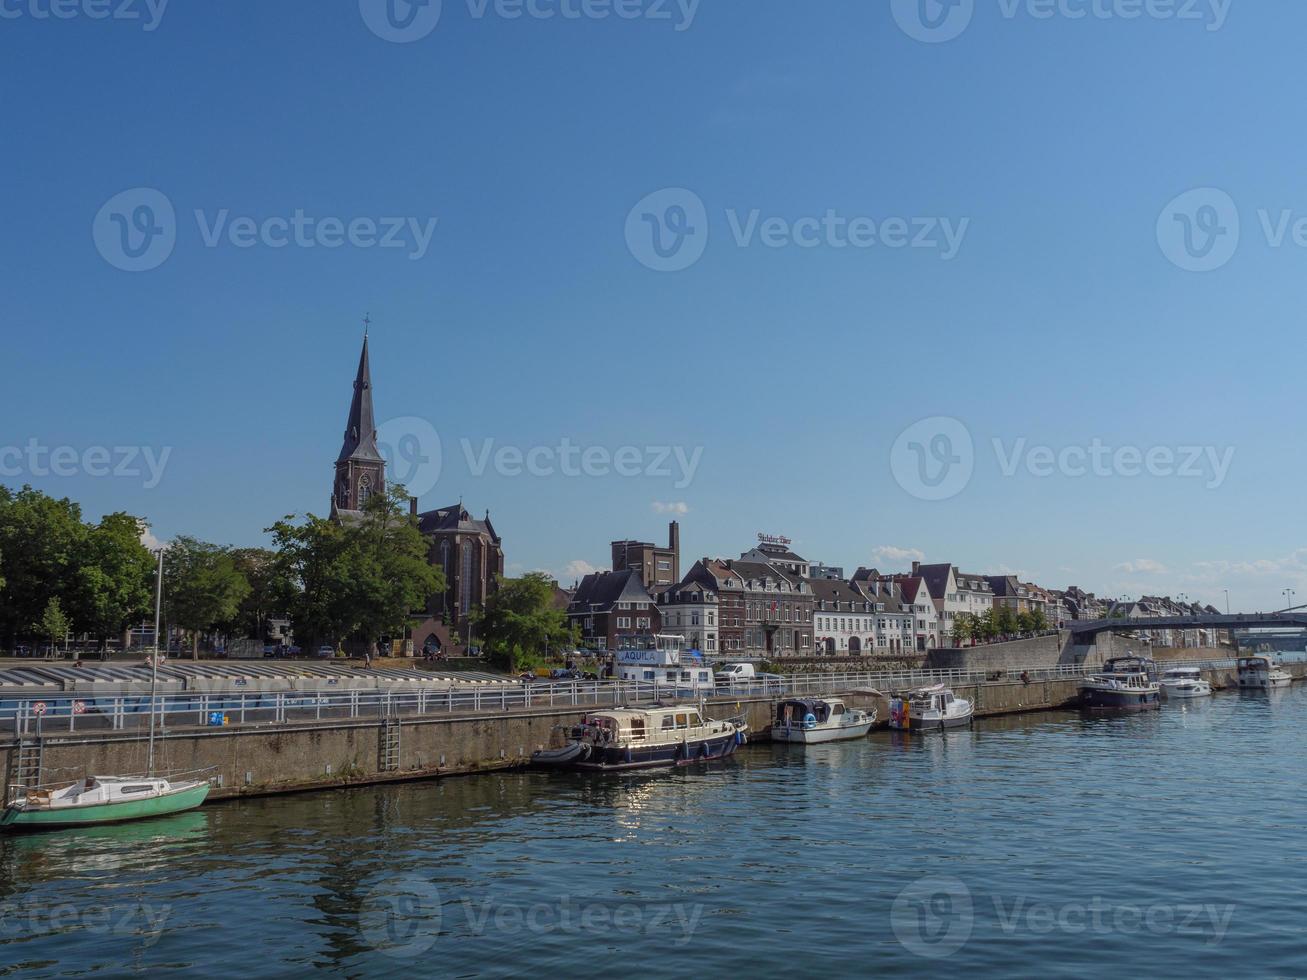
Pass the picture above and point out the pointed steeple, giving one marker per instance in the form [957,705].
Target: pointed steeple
[361,429]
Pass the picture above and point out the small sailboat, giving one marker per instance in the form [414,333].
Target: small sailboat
[810,721]
[108,799]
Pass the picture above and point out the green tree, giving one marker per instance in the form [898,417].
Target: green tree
[259,566]
[519,622]
[363,579]
[987,624]
[42,541]
[964,628]
[1005,620]
[203,588]
[54,623]
[115,577]
[1038,620]
[1025,621]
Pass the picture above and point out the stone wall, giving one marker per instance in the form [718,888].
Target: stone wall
[1039,651]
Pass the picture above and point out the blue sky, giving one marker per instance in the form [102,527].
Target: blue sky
[1064,318]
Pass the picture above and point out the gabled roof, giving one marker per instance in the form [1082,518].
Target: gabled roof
[361,427]
[936,579]
[456,517]
[601,591]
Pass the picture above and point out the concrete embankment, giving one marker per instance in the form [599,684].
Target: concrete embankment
[291,756]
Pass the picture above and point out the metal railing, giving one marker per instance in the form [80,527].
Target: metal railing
[69,712]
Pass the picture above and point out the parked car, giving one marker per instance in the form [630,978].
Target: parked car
[326,650]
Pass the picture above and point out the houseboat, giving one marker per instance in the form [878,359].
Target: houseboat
[1124,683]
[932,708]
[811,721]
[644,738]
[1261,672]
[658,659]
[1184,682]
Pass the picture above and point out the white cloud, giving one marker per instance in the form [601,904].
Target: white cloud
[671,507]
[1141,566]
[887,553]
[577,568]
[150,541]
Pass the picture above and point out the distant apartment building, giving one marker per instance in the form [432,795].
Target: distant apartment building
[608,606]
[843,619]
[659,567]
[691,610]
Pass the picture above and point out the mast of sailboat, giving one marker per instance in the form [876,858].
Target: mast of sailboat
[154,660]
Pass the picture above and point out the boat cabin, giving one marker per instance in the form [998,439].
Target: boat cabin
[808,712]
[637,726]
[657,659]
[1127,666]
[930,699]
[1257,663]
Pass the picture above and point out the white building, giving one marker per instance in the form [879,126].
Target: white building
[690,611]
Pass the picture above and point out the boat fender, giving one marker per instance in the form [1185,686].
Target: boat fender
[809,719]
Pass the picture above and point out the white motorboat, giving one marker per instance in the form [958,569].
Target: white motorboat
[1261,673]
[929,709]
[1185,682]
[811,721]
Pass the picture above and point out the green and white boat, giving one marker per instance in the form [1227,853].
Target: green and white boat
[107,799]
[101,800]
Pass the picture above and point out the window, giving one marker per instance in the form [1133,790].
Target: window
[623,605]
[668,723]
[642,622]
[623,622]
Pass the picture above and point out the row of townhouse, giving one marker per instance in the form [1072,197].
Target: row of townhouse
[1151,607]
[770,603]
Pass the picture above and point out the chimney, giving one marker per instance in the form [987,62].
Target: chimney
[674,537]
[916,568]
[413,506]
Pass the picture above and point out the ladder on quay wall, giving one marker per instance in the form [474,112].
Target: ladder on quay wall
[26,772]
[389,761]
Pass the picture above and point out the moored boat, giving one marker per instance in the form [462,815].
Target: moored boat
[1261,672]
[1124,684]
[932,708]
[811,721]
[1184,682]
[102,800]
[644,738]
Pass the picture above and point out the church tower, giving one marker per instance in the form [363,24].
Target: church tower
[360,469]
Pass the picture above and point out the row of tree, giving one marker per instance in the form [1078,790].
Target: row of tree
[996,622]
[60,575]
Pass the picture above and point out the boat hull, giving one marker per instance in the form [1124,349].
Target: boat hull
[817,736]
[17,818]
[615,758]
[1126,700]
[916,724]
[1254,684]
[1183,693]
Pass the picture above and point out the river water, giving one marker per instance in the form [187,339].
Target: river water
[1048,844]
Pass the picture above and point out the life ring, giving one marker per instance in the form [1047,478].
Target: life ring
[809,720]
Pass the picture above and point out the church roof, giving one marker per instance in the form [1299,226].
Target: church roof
[361,429]
[455,518]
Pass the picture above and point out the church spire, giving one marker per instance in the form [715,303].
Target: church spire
[361,429]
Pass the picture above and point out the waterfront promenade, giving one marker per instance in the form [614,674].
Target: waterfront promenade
[271,742]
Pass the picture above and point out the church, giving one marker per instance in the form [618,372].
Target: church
[467,549]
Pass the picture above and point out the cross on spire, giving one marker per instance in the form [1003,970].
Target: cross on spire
[367,322]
